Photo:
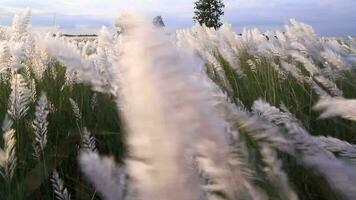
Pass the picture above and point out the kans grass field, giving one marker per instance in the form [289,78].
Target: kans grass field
[191,115]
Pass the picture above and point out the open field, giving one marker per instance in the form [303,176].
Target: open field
[200,114]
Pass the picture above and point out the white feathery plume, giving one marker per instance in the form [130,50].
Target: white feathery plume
[79,66]
[75,109]
[268,139]
[4,33]
[108,178]
[252,65]
[293,70]
[20,97]
[329,85]
[163,80]
[253,40]
[103,59]
[302,37]
[335,59]
[156,171]
[59,189]
[299,41]
[40,125]
[333,107]
[276,174]
[8,160]
[72,78]
[307,63]
[309,152]
[281,73]
[36,54]
[340,148]
[69,55]
[105,39]
[29,49]
[20,25]
[27,74]
[258,129]
[317,89]
[33,89]
[223,41]
[104,68]
[5,57]
[88,49]
[88,141]
[18,55]
[313,156]
[189,39]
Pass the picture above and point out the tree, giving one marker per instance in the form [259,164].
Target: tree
[158,22]
[208,12]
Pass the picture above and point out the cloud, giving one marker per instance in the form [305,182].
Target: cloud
[329,17]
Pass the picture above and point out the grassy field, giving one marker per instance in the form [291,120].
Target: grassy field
[206,115]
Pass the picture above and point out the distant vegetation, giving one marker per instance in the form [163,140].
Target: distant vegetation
[208,12]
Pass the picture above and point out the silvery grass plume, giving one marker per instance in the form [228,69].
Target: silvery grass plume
[36,55]
[88,141]
[269,140]
[33,89]
[76,110]
[178,117]
[81,67]
[88,49]
[8,159]
[310,153]
[20,97]
[5,57]
[301,37]
[39,126]
[59,189]
[222,42]
[293,71]
[317,89]
[108,178]
[3,32]
[299,42]
[338,147]
[329,85]
[20,26]
[105,39]
[18,55]
[333,107]
[314,81]
[104,67]
[251,39]
[307,63]
[350,44]
[275,173]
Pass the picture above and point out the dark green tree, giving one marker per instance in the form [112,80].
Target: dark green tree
[158,22]
[208,12]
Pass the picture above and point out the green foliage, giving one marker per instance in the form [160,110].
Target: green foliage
[264,82]
[99,115]
[208,12]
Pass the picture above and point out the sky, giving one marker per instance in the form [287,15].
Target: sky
[328,17]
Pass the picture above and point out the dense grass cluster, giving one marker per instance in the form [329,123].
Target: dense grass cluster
[65,132]
[208,114]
